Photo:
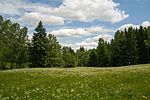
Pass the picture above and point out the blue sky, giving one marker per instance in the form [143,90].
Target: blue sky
[78,23]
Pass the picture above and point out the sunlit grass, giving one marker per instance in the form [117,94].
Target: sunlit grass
[119,83]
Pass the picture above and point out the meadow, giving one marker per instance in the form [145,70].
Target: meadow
[79,83]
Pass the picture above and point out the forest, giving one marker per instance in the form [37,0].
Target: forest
[129,47]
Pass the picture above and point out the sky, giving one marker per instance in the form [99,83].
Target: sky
[78,23]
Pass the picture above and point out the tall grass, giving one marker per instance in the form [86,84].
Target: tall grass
[124,83]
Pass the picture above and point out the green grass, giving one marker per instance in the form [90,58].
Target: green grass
[119,83]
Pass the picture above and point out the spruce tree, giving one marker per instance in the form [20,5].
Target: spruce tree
[38,47]
[92,61]
[132,50]
[102,58]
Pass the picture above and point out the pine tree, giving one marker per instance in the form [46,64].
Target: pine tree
[38,47]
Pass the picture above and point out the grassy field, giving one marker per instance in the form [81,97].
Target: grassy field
[119,83]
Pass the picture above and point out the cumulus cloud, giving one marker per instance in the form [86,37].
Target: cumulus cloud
[82,10]
[10,7]
[27,13]
[89,10]
[145,24]
[90,43]
[70,32]
[76,32]
[126,26]
[33,18]
[93,42]
[99,29]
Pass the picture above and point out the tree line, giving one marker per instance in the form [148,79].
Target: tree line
[129,47]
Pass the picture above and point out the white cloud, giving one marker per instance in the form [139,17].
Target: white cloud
[70,32]
[28,13]
[33,18]
[10,7]
[99,29]
[80,31]
[89,10]
[145,24]
[90,43]
[82,10]
[126,26]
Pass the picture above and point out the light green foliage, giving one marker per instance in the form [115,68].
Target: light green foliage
[53,56]
[119,83]
[13,45]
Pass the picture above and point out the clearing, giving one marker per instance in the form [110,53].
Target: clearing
[118,83]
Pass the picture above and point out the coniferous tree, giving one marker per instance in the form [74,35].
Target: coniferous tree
[143,37]
[132,50]
[102,58]
[147,44]
[38,47]
[130,46]
[92,61]
[112,52]
[69,57]
[141,45]
[82,56]
[119,49]
[109,52]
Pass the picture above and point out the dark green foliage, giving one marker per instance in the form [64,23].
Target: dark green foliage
[143,44]
[92,61]
[147,44]
[125,48]
[38,47]
[129,47]
[45,51]
[102,56]
[82,56]
[69,57]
